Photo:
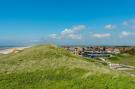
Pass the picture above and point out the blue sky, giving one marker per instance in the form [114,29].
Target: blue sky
[95,22]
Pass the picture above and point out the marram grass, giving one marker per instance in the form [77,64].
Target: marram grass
[51,67]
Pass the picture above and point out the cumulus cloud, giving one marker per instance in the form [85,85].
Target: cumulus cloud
[67,31]
[75,29]
[70,33]
[35,41]
[78,28]
[110,26]
[74,36]
[53,36]
[126,34]
[105,35]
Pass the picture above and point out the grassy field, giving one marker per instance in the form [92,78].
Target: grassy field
[123,59]
[51,67]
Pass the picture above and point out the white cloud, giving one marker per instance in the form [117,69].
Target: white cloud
[70,33]
[110,26]
[78,28]
[53,36]
[126,34]
[67,31]
[75,36]
[35,41]
[106,35]
[73,30]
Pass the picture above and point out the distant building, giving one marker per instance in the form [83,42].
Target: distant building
[109,50]
[95,51]
[116,51]
[95,54]
[77,51]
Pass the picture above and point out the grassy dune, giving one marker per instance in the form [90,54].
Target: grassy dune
[124,59]
[51,67]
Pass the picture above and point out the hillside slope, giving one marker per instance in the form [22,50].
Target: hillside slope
[124,58]
[51,67]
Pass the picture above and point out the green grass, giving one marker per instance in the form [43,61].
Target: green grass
[64,79]
[51,67]
[131,71]
[123,59]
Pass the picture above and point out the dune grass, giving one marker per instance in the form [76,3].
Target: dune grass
[51,67]
[64,78]
[123,59]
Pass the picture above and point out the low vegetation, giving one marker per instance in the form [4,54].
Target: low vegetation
[51,67]
[130,51]
[124,58]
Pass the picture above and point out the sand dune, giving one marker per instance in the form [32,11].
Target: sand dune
[10,50]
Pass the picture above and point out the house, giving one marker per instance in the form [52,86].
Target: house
[94,54]
[77,51]
[116,51]
[109,50]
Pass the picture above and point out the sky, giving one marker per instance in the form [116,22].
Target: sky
[71,22]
